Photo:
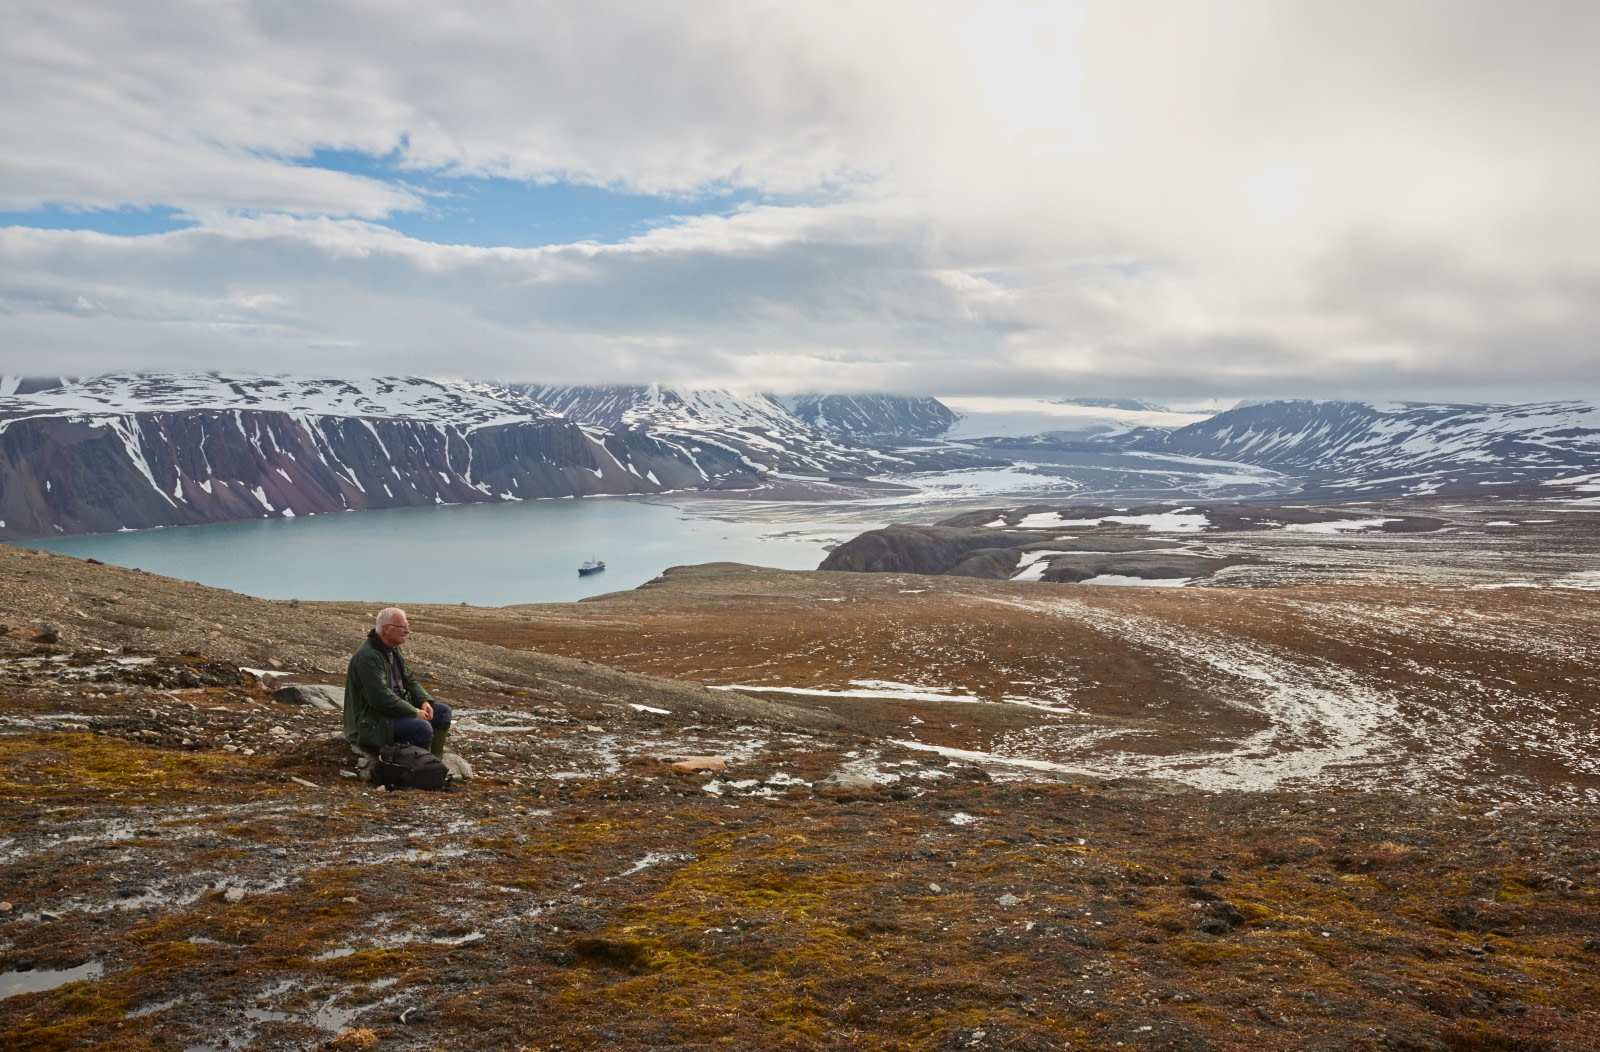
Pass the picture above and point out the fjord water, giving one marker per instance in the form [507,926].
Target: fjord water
[483,554]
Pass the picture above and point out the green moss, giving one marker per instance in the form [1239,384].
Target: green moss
[65,763]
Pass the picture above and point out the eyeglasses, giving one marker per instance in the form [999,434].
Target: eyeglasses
[404,629]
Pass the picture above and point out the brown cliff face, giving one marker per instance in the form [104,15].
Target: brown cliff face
[141,470]
[962,552]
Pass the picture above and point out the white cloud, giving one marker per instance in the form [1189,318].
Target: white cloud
[1183,198]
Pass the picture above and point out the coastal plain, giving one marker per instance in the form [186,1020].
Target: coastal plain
[1339,795]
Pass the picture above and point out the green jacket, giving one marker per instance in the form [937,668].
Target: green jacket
[370,703]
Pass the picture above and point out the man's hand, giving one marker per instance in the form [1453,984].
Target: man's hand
[425,711]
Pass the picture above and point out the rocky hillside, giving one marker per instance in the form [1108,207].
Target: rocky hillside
[1349,804]
[132,452]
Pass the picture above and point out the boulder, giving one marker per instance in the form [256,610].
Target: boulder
[317,695]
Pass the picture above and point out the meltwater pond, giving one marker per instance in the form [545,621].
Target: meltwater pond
[483,554]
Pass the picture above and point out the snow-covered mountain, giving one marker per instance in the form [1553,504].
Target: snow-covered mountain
[120,452]
[872,418]
[455,402]
[758,428]
[1382,448]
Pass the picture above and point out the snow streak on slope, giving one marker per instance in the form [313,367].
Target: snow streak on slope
[466,406]
[753,426]
[1319,716]
[872,417]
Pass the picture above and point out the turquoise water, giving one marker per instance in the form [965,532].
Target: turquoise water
[483,554]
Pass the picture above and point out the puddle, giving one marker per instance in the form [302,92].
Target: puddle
[32,982]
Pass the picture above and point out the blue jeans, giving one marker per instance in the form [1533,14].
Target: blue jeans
[414,730]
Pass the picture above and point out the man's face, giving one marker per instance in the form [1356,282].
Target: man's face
[394,632]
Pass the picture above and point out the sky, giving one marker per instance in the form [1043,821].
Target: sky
[1192,201]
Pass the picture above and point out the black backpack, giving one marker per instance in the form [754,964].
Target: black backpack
[409,767]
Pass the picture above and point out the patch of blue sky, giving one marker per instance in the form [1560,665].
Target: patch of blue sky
[493,212]
[119,222]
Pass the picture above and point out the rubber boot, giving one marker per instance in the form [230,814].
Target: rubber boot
[437,748]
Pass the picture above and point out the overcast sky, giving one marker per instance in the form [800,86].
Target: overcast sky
[1186,200]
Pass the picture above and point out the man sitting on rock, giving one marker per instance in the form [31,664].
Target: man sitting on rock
[383,702]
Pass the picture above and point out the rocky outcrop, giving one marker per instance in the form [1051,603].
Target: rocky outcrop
[60,475]
[964,552]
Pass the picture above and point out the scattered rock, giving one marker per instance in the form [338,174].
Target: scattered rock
[234,895]
[1009,900]
[459,767]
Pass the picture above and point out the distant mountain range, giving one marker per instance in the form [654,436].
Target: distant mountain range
[137,451]
[1346,449]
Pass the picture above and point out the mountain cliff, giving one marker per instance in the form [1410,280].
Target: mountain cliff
[812,434]
[131,452]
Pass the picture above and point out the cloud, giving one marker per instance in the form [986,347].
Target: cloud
[1181,199]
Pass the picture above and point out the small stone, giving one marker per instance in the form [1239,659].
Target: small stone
[234,895]
[595,730]
[247,752]
[5,907]
[936,889]
[1009,899]
[230,748]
